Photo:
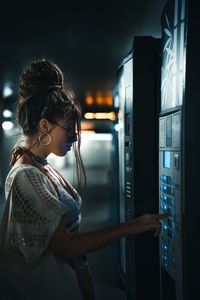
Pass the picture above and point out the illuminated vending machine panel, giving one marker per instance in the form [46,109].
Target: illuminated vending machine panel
[179,144]
[170,192]
[171,149]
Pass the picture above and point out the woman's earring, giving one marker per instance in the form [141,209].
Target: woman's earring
[40,138]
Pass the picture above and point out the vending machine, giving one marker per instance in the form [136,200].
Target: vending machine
[179,151]
[138,97]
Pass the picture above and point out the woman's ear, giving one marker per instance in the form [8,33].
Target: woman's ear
[44,125]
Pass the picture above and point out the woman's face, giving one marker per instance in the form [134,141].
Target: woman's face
[63,136]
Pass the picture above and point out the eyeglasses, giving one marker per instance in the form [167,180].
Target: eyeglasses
[69,129]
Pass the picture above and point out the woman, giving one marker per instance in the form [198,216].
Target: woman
[43,251]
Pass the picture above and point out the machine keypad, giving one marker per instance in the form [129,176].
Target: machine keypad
[167,228]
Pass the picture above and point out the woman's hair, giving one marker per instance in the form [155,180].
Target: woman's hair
[42,95]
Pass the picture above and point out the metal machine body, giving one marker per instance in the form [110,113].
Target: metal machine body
[138,95]
[179,148]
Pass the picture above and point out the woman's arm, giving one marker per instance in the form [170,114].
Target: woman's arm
[70,245]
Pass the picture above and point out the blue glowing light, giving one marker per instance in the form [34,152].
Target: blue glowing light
[165,208]
[166,159]
[164,198]
[164,247]
[164,228]
[164,257]
[163,178]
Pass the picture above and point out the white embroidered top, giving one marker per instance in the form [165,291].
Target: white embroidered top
[36,212]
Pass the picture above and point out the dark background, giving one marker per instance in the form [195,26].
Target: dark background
[87,39]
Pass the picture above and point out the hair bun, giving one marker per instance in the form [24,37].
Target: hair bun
[42,76]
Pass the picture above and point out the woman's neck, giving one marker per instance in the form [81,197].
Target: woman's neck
[39,152]
[37,149]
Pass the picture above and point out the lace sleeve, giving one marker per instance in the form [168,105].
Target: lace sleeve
[36,213]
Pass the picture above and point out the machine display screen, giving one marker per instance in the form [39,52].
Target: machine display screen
[166,159]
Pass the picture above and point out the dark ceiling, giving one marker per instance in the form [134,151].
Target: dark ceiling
[86,39]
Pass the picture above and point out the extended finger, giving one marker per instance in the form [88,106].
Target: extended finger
[161,216]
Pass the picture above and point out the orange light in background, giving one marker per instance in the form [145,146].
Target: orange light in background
[119,114]
[99,98]
[100,115]
[111,116]
[89,115]
[88,131]
[109,100]
[89,99]
[102,98]
[87,125]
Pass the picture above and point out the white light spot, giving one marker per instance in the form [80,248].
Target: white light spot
[96,137]
[7,113]
[7,91]
[7,125]
[117,127]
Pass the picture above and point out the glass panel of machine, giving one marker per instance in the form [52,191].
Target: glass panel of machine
[166,159]
[173,58]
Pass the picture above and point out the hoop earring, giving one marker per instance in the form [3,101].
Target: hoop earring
[40,137]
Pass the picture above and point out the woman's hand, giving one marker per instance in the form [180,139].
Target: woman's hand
[147,222]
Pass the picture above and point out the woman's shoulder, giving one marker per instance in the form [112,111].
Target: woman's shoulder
[29,180]
[20,172]
[22,168]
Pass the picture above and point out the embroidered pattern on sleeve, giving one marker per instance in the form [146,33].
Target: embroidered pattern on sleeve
[37,210]
[35,180]
[35,215]
[33,241]
[23,212]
